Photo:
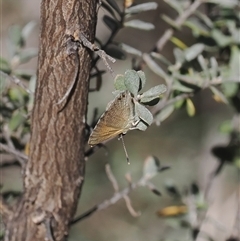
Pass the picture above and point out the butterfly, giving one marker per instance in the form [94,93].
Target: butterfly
[117,120]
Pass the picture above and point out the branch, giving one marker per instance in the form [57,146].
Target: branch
[101,53]
[11,148]
[16,81]
[14,152]
[178,23]
[109,202]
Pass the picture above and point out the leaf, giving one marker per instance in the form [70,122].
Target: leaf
[150,167]
[110,22]
[178,86]
[115,52]
[205,19]
[234,62]
[132,81]
[5,66]
[3,83]
[160,57]
[16,120]
[221,39]
[179,55]
[226,3]
[172,190]
[142,77]
[154,66]
[178,43]
[141,126]
[197,27]
[128,3]
[226,127]
[131,50]
[192,52]
[109,9]
[143,113]
[214,67]
[169,21]
[27,54]
[179,104]
[119,83]
[15,36]
[141,7]
[173,211]
[114,5]
[165,113]
[139,24]
[17,95]
[218,95]
[229,89]
[190,107]
[152,93]
[27,29]
[203,65]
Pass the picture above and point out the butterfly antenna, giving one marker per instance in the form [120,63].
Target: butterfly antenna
[125,150]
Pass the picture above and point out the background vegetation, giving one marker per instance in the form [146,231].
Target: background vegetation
[193,48]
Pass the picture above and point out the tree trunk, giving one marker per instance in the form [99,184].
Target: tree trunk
[55,170]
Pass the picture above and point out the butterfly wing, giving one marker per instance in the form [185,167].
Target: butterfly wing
[115,120]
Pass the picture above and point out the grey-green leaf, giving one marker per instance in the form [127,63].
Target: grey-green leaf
[152,93]
[142,77]
[27,29]
[219,95]
[110,22]
[192,52]
[27,54]
[115,52]
[164,114]
[16,120]
[119,83]
[15,36]
[3,82]
[151,167]
[5,65]
[179,55]
[154,66]
[142,7]
[178,86]
[221,39]
[139,24]
[141,126]
[143,113]
[131,50]
[132,81]
[114,5]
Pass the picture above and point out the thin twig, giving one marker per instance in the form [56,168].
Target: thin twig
[13,151]
[111,178]
[166,103]
[109,202]
[178,23]
[130,207]
[11,145]
[101,53]
[16,81]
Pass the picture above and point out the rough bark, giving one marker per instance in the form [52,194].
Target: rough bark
[54,172]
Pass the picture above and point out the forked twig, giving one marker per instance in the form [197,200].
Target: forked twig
[115,198]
